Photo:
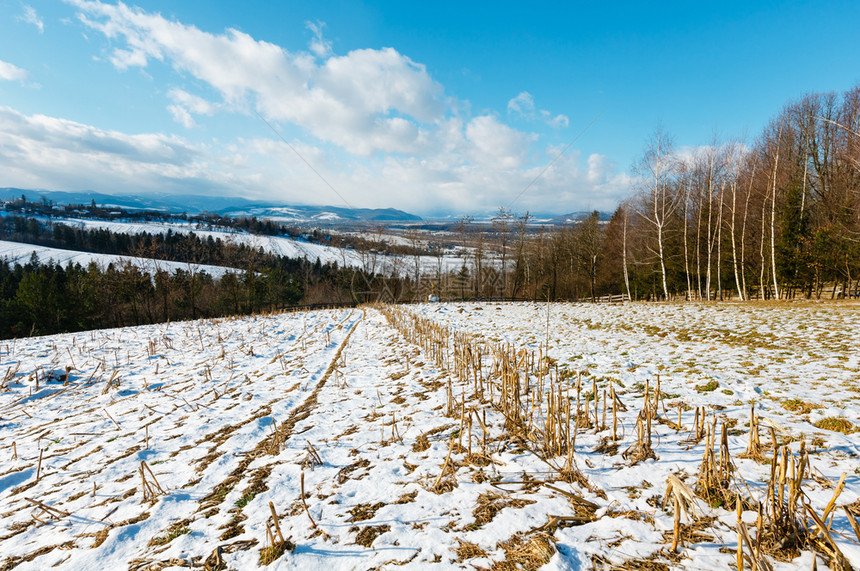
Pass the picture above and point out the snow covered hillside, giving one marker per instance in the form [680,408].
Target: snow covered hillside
[19,253]
[503,436]
[278,245]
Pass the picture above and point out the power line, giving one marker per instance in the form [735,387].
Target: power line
[558,156]
[316,172]
[345,201]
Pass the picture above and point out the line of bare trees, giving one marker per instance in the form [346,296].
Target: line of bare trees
[775,219]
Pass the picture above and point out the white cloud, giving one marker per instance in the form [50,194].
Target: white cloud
[523,105]
[599,167]
[184,104]
[495,144]
[31,17]
[366,101]
[557,122]
[319,45]
[481,166]
[47,152]
[181,115]
[383,131]
[11,72]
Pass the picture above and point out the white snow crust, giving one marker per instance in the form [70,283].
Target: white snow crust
[231,414]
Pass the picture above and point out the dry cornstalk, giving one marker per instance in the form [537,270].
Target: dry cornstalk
[853,521]
[641,449]
[823,529]
[304,504]
[753,554]
[740,556]
[149,488]
[438,481]
[118,427]
[275,520]
[52,512]
[614,415]
[754,449]
[313,457]
[832,504]
[682,494]
[603,424]
[676,527]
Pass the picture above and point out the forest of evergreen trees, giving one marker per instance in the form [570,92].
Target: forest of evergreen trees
[42,297]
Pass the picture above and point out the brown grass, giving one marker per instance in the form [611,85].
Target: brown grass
[344,474]
[799,406]
[367,535]
[600,563]
[363,512]
[272,553]
[835,424]
[173,531]
[491,503]
[707,387]
[526,552]
[407,498]
[467,550]
[100,538]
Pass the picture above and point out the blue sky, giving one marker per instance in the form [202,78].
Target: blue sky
[436,108]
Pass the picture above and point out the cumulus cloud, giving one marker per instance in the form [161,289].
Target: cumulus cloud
[523,105]
[181,115]
[184,104]
[319,45]
[383,131]
[47,152]
[557,122]
[31,17]
[494,143]
[366,101]
[11,72]
[481,168]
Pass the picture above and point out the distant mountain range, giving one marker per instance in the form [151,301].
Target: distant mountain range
[577,216]
[235,206]
[224,205]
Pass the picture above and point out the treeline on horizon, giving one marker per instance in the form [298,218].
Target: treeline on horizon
[42,297]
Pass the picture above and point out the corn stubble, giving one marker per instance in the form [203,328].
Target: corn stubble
[545,408]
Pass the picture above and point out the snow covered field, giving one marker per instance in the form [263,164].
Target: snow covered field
[279,246]
[189,444]
[16,252]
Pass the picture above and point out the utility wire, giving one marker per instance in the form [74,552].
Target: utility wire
[345,201]
[316,172]
[558,156]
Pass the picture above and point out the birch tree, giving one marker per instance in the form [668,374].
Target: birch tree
[657,201]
